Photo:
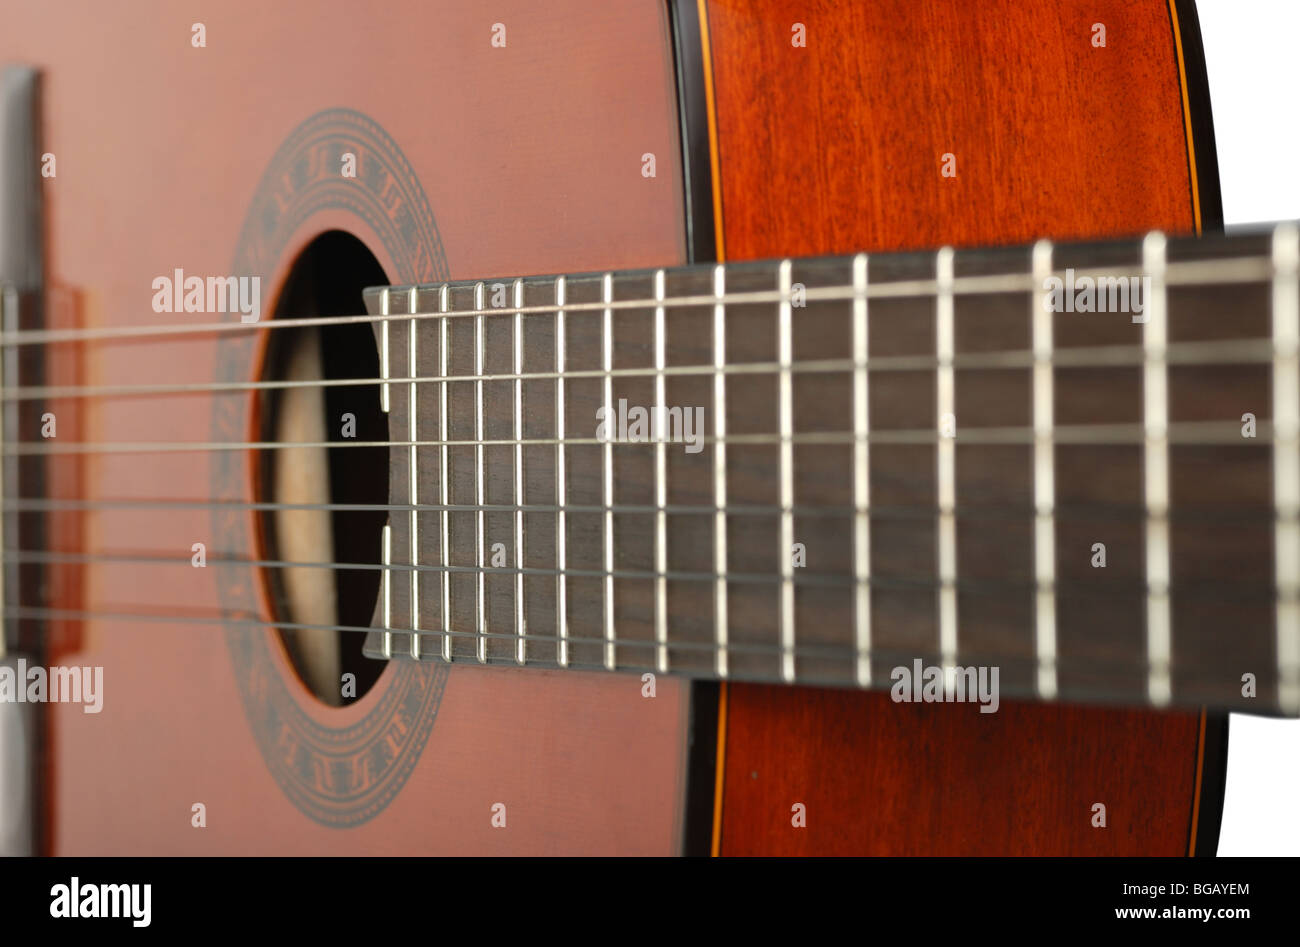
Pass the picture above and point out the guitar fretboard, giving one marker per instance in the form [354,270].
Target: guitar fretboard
[1078,464]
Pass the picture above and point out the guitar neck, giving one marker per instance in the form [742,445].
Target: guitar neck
[1073,469]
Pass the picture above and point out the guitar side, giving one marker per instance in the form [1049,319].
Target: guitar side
[842,145]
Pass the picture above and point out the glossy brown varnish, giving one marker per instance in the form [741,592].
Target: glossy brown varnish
[531,158]
[837,147]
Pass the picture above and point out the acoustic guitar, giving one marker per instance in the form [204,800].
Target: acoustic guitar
[734,427]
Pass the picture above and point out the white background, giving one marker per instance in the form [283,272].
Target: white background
[1251,58]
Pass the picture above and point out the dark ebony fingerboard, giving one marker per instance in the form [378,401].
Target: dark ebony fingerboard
[899,459]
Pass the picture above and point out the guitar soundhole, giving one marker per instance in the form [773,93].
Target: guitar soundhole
[307,484]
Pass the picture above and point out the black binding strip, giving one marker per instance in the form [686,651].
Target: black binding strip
[1202,145]
[1203,151]
[701,769]
[701,247]
[1214,771]
[693,115]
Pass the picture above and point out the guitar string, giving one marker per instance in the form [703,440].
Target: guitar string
[1200,589]
[1203,433]
[883,511]
[1223,272]
[1191,354]
[702,300]
[808,652]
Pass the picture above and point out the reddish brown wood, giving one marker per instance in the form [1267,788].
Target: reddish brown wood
[830,148]
[531,159]
[879,778]
[838,147]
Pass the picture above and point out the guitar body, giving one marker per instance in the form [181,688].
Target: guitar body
[1050,135]
[475,159]
[215,715]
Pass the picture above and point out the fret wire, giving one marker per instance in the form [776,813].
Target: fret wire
[661,483]
[413,474]
[444,474]
[384,304]
[1182,273]
[946,457]
[480,545]
[1156,471]
[1214,352]
[786,423]
[861,474]
[1286,461]
[720,630]
[607,364]
[8,304]
[520,614]
[561,482]
[387,540]
[384,369]
[1044,476]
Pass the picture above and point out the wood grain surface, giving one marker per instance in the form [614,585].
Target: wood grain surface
[530,157]
[838,147]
